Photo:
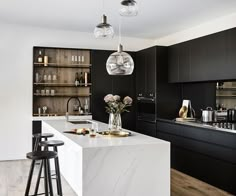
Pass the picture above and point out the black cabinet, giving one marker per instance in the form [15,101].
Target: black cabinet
[229,71]
[36,128]
[206,154]
[104,84]
[146,72]
[206,58]
[147,128]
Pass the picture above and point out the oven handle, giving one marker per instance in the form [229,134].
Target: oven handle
[145,99]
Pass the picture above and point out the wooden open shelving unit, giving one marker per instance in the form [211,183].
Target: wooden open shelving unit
[58,76]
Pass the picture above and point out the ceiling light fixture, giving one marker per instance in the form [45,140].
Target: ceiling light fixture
[120,62]
[104,29]
[129,8]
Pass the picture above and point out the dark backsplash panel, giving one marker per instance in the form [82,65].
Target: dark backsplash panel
[202,95]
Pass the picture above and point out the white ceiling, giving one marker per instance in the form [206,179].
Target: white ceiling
[156,18]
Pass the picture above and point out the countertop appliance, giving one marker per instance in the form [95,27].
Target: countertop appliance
[231,115]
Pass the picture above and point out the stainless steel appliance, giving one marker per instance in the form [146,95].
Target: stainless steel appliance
[231,115]
[208,115]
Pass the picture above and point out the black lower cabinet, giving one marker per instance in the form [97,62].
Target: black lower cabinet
[36,128]
[206,154]
[147,128]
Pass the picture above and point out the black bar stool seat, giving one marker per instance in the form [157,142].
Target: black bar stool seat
[51,143]
[44,156]
[43,135]
[41,155]
[38,138]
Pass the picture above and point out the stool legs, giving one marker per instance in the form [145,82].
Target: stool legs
[58,176]
[29,178]
[38,179]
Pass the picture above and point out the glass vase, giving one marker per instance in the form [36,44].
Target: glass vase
[114,123]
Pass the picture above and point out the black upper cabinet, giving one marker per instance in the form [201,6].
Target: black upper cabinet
[231,52]
[146,72]
[184,62]
[173,63]
[207,58]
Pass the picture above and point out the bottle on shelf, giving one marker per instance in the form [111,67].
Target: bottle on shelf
[81,78]
[86,107]
[45,60]
[77,79]
[40,57]
[85,78]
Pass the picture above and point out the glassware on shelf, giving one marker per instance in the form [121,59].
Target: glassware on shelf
[44,109]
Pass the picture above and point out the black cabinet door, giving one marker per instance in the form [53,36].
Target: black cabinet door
[173,64]
[198,53]
[230,54]
[184,62]
[102,84]
[150,54]
[216,56]
[146,128]
[140,73]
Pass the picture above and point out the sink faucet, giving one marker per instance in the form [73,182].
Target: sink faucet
[67,106]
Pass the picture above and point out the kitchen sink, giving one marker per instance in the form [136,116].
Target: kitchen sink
[80,122]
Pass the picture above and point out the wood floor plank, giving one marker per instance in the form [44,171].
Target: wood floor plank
[184,185]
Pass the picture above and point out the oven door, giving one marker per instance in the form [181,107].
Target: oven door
[146,109]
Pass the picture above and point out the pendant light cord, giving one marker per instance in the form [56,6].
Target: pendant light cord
[103,7]
[120,30]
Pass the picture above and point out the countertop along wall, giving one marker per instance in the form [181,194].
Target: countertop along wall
[16,48]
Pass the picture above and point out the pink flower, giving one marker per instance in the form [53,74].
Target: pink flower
[109,98]
[128,100]
[116,97]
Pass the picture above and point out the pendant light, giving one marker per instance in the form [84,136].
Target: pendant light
[120,62]
[129,8]
[103,29]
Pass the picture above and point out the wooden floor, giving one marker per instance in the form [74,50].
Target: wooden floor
[13,178]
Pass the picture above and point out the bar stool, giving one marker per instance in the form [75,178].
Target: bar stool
[39,136]
[54,144]
[44,156]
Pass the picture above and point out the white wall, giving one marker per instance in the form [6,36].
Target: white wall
[219,24]
[16,47]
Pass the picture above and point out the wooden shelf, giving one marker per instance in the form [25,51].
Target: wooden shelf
[63,95]
[225,95]
[226,89]
[58,65]
[63,84]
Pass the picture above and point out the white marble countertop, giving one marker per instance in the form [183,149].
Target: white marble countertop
[100,140]
[71,117]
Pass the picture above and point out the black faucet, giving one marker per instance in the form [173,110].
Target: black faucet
[67,106]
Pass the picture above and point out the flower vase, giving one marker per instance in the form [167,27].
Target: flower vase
[114,123]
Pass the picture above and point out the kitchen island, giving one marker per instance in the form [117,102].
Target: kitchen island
[137,165]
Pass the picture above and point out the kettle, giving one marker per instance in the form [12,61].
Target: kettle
[231,115]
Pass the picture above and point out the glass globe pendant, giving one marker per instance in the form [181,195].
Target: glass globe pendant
[129,8]
[104,30]
[120,63]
